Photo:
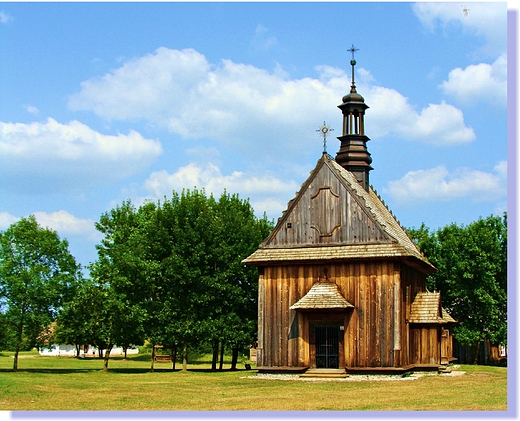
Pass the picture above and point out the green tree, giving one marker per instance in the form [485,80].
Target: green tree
[74,324]
[240,234]
[121,276]
[472,276]
[178,265]
[37,275]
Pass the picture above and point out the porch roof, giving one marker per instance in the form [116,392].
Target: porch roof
[322,295]
[426,308]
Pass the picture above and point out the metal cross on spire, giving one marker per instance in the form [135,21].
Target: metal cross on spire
[324,131]
[353,50]
[353,63]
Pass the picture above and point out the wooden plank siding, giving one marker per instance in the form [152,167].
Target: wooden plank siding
[327,212]
[369,329]
[333,223]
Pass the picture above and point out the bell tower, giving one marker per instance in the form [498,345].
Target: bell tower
[353,154]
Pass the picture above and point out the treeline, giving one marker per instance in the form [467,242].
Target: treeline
[167,272]
[472,277]
[170,273]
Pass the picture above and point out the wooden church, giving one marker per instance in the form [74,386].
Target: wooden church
[341,285]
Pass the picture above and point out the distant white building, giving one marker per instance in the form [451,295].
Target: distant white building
[70,351]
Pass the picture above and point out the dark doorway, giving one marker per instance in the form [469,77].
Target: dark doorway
[327,346]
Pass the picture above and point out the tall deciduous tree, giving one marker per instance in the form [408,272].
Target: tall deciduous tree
[179,263]
[37,275]
[472,276]
[120,274]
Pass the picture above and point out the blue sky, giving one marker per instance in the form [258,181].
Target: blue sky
[103,102]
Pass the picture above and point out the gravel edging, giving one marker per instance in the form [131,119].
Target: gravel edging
[354,377]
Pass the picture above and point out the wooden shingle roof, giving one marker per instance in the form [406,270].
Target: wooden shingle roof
[426,308]
[322,295]
[333,217]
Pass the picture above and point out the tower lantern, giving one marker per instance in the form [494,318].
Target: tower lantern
[353,154]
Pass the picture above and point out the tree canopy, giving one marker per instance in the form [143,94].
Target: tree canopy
[177,264]
[37,275]
[472,276]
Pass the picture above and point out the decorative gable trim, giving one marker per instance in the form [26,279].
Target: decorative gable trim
[333,217]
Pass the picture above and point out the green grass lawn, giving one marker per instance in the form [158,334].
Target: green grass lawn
[63,383]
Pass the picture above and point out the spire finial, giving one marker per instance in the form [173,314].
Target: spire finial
[324,131]
[353,50]
[353,63]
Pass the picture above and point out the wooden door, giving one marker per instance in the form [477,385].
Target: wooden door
[327,346]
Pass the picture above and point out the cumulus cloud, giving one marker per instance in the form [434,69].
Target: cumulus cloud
[438,184]
[6,219]
[51,157]
[251,109]
[270,193]
[487,20]
[64,223]
[479,83]
[440,124]
[68,225]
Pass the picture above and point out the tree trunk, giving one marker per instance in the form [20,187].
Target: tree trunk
[18,343]
[185,356]
[153,358]
[16,352]
[215,355]
[477,353]
[126,349]
[221,356]
[107,356]
[234,357]
[174,356]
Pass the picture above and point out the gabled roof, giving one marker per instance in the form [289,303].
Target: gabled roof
[322,295]
[333,217]
[426,308]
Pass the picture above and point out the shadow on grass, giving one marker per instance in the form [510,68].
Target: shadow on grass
[61,371]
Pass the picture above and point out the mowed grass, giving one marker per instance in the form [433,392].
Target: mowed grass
[60,383]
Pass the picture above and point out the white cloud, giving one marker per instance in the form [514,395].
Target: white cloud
[392,114]
[61,221]
[253,110]
[5,17]
[153,87]
[67,225]
[44,157]
[437,184]
[268,192]
[479,83]
[6,219]
[487,20]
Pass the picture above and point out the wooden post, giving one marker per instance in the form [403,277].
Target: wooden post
[261,321]
[397,318]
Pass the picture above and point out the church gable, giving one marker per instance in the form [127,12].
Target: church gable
[327,211]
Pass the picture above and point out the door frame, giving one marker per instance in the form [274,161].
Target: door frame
[324,319]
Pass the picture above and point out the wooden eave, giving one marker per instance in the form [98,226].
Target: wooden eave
[323,295]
